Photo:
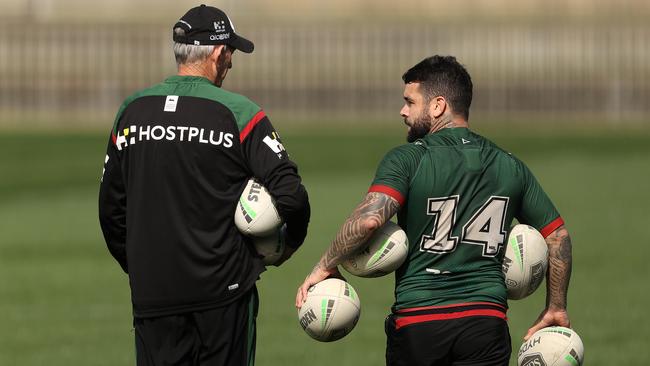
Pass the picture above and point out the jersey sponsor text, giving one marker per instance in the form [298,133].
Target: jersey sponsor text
[134,134]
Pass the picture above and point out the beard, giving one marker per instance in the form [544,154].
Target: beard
[420,128]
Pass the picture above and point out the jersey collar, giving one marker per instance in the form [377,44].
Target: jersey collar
[187,79]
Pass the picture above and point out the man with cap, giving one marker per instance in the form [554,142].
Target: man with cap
[178,159]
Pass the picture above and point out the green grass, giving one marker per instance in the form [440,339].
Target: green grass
[64,301]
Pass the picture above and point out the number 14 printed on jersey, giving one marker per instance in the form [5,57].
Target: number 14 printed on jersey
[485,227]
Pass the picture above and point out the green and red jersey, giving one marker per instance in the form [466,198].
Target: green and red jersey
[459,194]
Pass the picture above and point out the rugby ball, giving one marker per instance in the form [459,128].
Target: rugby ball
[552,346]
[525,261]
[270,247]
[330,311]
[383,253]
[255,213]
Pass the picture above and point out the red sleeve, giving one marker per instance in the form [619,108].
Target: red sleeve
[250,125]
[389,191]
[551,227]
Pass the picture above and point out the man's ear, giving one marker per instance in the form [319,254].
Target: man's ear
[437,106]
[218,49]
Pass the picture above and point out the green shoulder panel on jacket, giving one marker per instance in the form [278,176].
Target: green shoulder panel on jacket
[154,90]
[242,108]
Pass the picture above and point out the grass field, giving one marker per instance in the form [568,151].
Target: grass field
[64,301]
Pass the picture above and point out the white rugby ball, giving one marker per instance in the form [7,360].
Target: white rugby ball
[255,213]
[383,253]
[269,247]
[331,310]
[525,261]
[552,346]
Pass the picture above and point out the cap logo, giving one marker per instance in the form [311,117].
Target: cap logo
[219,37]
[220,26]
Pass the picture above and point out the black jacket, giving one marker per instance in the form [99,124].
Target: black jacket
[178,159]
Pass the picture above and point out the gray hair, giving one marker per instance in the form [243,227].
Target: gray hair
[189,53]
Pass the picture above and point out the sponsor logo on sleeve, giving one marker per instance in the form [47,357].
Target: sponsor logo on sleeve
[273,142]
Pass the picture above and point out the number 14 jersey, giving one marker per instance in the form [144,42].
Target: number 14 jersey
[458,193]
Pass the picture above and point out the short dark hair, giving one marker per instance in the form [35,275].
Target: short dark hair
[443,76]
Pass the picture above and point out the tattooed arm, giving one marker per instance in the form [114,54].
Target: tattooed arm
[557,282]
[559,268]
[375,210]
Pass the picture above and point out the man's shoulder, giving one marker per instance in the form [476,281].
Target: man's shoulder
[486,142]
[242,108]
[502,154]
[228,98]
[153,90]
[412,151]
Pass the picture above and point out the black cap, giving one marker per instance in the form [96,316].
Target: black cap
[207,25]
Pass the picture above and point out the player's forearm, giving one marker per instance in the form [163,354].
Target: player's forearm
[559,268]
[375,210]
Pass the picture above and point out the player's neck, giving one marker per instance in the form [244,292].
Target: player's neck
[197,69]
[448,121]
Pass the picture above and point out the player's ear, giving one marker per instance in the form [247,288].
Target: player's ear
[218,50]
[437,106]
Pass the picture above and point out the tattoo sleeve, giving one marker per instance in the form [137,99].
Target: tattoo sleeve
[559,268]
[375,210]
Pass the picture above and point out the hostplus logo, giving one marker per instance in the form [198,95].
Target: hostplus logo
[136,134]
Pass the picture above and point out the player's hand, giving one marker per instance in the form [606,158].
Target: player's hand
[317,275]
[548,318]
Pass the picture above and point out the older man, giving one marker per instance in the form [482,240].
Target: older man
[178,159]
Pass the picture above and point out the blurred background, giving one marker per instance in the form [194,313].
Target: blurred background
[72,62]
[563,84]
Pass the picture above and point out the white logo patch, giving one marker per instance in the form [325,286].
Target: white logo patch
[465,141]
[219,26]
[170,103]
[275,145]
